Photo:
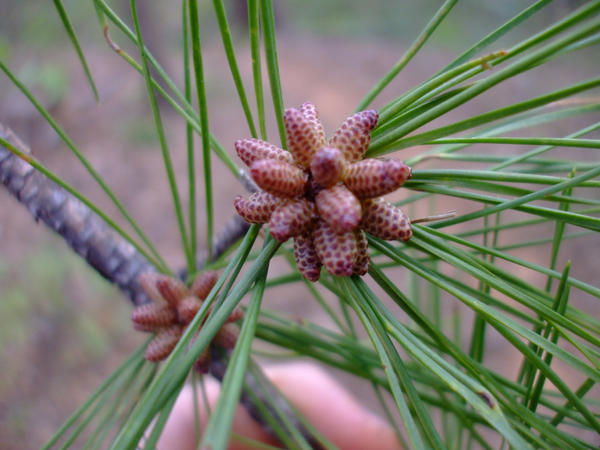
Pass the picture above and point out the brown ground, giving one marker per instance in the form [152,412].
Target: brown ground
[58,359]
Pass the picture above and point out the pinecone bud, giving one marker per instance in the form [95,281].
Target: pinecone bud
[354,135]
[337,252]
[204,283]
[302,139]
[250,150]
[307,261]
[319,196]
[384,220]
[279,178]
[328,166]
[376,177]
[171,289]
[163,343]
[339,208]
[257,208]
[361,266]
[147,281]
[291,219]
[309,111]
[187,309]
[152,316]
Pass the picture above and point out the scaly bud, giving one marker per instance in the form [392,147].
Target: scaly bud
[163,343]
[384,220]
[337,252]
[250,150]
[376,177]
[279,178]
[307,261]
[312,115]
[328,166]
[303,139]
[361,266]
[291,219]
[354,135]
[147,281]
[203,284]
[227,336]
[187,309]
[258,207]
[339,208]
[152,316]
[171,289]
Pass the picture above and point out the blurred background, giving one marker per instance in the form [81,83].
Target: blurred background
[63,329]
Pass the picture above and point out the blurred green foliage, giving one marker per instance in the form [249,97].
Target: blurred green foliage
[37,25]
[389,19]
[51,80]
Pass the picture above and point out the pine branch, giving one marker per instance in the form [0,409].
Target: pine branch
[85,232]
[120,263]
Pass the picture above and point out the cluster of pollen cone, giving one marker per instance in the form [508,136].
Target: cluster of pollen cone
[171,310]
[323,193]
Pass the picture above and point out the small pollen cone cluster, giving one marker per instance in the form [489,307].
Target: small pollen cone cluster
[323,193]
[171,310]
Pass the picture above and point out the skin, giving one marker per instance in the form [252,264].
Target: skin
[331,408]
